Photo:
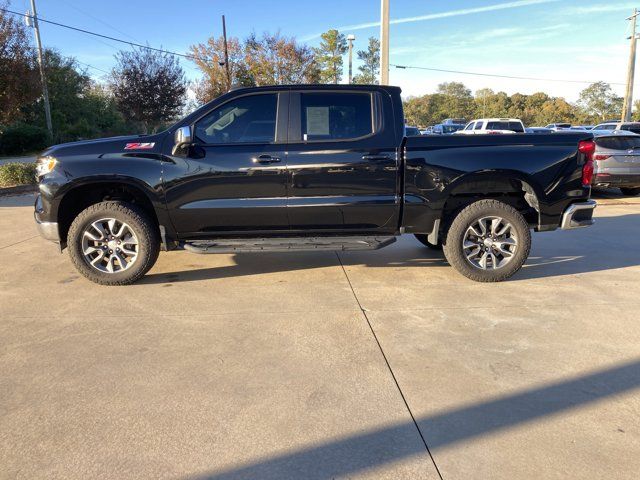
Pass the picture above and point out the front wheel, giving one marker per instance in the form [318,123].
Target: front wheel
[113,243]
[630,192]
[488,241]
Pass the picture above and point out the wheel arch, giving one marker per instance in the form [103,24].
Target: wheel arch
[87,192]
[512,187]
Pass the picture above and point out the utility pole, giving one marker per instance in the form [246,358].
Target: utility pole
[43,74]
[384,42]
[351,38]
[226,52]
[628,98]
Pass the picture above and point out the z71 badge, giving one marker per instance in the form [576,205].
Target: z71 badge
[139,146]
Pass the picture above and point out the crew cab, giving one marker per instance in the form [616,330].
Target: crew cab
[288,168]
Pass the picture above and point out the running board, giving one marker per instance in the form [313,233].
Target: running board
[297,244]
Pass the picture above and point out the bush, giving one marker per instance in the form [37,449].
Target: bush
[12,174]
[19,138]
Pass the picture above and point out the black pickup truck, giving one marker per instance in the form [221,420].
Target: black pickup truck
[290,168]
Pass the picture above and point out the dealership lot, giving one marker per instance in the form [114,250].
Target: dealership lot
[324,365]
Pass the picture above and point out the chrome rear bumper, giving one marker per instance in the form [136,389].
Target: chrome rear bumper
[578,215]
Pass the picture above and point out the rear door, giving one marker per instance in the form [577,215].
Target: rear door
[342,162]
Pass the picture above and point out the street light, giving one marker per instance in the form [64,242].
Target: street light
[351,37]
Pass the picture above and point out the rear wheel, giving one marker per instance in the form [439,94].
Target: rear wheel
[630,192]
[488,241]
[113,243]
[422,238]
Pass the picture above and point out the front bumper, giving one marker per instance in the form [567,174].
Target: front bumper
[47,230]
[578,215]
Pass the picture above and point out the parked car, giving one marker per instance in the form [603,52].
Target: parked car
[538,130]
[484,126]
[427,131]
[582,127]
[454,121]
[626,126]
[556,127]
[617,162]
[411,131]
[446,129]
[317,167]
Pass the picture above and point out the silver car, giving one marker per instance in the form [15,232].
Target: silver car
[617,162]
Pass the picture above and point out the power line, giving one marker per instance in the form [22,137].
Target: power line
[99,20]
[101,35]
[512,77]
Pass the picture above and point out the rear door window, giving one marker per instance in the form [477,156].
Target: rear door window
[631,128]
[336,115]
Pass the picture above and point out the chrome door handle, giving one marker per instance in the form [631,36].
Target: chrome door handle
[374,158]
[266,159]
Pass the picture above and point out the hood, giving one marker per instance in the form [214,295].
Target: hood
[101,146]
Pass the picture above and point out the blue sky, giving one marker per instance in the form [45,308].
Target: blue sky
[561,39]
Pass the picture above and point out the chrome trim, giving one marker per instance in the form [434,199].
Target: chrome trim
[568,223]
[48,230]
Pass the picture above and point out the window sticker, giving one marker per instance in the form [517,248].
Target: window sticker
[318,120]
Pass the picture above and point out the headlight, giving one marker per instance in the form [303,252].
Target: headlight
[44,165]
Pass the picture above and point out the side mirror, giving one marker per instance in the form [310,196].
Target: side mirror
[181,139]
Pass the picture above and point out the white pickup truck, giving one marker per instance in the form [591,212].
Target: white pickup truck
[492,126]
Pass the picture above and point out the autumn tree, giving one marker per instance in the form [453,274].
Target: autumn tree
[333,46]
[370,67]
[600,102]
[276,60]
[209,59]
[149,87]
[19,81]
[457,101]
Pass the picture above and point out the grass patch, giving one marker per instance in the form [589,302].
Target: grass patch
[12,174]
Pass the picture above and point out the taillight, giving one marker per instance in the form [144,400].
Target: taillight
[601,157]
[587,148]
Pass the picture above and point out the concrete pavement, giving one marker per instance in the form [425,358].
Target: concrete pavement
[317,365]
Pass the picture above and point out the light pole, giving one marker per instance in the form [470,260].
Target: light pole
[384,42]
[628,97]
[351,38]
[43,73]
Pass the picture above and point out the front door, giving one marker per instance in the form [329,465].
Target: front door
[234,177]
[343,170]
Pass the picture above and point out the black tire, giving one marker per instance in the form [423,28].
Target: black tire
[453,245]
[630,192]
[422,238]
[146,231]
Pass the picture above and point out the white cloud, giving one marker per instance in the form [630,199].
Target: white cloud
[601,8]
[435,16]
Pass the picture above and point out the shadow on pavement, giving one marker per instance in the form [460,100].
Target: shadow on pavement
[610,244]
[370,449]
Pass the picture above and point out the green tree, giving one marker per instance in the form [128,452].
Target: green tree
[599,102]
[370,67]
[333,46]
[149,87]
[19,81]
[80,108]
[276,60]
[457,101]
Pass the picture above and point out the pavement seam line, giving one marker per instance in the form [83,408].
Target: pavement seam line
[21,241]
[386,361]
